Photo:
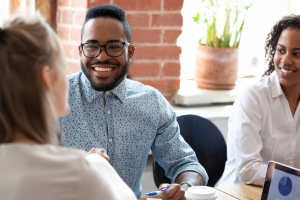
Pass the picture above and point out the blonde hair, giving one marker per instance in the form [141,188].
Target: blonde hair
[27,44]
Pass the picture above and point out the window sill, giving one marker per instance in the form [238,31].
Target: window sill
[190,95]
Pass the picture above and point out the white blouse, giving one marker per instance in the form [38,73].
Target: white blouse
[48,172]
[261,128]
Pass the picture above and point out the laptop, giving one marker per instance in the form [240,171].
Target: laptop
[282,182]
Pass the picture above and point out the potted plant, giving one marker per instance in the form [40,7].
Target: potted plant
[217,53]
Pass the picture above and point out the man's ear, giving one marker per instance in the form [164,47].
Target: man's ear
[79,50]
[131,50]
[47,78]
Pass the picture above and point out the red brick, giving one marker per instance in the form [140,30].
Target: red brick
[92,3]
[166,20]
[138,20]
[164,85]
[173,4]
[157,52]
[63,33]
[168,97]
[65,17]
[138,5]
[68,50]
[73,67]
[173,85]
[63,2]
[79,3]
[144,70]
[79,17]
[170,36]
[158,84]
[76,35]
[171,69]
[146,35]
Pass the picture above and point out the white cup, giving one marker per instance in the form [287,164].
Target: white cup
[201,193]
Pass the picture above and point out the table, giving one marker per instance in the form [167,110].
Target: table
[247,192]
[242,192]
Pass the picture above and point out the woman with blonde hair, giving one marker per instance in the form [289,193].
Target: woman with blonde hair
[33,94]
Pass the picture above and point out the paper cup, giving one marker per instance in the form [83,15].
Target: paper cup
[201,193]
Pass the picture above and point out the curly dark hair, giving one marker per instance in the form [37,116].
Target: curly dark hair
[291,21]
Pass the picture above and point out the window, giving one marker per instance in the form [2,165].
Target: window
[4,11]
[259,20]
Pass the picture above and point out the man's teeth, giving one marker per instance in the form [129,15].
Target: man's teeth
[102,69]
[285,71]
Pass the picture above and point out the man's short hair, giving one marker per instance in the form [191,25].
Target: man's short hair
[108,11]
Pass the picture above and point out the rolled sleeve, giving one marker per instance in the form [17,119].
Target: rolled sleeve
[169,148]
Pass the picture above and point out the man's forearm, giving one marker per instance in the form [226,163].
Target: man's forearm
[189,176]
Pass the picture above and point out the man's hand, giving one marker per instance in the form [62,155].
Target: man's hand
[174,191]
[101,152]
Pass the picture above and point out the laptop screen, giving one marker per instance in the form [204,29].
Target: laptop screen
[282,182]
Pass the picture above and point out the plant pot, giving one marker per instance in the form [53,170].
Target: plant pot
[216,68]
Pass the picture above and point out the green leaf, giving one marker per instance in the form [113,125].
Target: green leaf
[197,18]
[212,11]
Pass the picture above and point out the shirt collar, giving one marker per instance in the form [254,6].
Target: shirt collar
[121,90]
[275,85]
[90,93]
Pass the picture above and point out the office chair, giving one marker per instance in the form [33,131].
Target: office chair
[207,142]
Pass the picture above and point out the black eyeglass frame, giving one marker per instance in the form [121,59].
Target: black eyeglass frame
[81,44]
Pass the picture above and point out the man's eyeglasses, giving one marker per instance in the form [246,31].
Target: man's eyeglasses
[112,49]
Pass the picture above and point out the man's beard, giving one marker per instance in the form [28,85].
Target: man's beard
[106,87]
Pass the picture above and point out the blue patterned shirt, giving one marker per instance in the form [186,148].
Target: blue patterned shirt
[127,122]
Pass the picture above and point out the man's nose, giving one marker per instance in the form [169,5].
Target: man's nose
[103,55]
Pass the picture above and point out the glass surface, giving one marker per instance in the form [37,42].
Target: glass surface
[113,49]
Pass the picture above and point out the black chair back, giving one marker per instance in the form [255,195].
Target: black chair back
[207,142]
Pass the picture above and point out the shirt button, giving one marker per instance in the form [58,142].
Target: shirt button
[107,92]
[108,112]
[110,140]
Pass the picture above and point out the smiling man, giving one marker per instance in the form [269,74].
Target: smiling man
[124,117]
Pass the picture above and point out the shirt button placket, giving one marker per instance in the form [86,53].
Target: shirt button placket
[109,125]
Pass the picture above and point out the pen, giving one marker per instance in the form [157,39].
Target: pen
[154,193]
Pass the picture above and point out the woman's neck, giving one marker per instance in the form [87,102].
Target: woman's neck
[292,94]
[21,138]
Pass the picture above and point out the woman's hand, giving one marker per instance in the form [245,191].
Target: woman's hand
[101,152]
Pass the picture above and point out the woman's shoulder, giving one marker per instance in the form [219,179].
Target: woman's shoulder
[58,151]
[262,83]
[55,164]
[261,86]
[47,153]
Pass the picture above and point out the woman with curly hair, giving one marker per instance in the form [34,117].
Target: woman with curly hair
[265,121]
[33,94]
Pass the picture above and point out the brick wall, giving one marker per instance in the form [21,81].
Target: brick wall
[155,25]
[70,17]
